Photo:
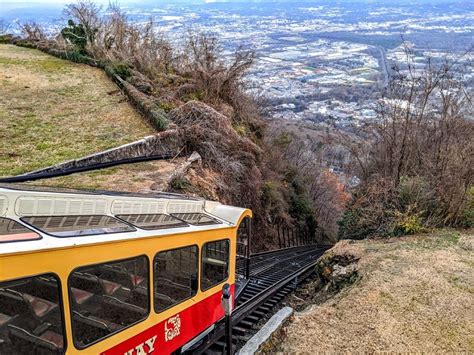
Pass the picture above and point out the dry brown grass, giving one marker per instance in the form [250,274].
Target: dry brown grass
[53,110]
[415,295]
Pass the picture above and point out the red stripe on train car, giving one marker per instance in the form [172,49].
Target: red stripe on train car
[167,336]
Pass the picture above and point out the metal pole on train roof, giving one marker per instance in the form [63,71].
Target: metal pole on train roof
[226,302]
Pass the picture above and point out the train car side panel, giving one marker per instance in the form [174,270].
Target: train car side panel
[174,332]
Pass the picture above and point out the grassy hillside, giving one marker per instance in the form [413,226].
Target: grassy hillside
[53,110]
[415,294]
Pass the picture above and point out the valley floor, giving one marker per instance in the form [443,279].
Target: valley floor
[415,294]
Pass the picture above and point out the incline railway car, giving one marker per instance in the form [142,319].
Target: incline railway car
[114,273]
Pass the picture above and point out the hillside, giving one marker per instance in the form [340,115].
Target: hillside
[413,294]
[53,110]
[405,172]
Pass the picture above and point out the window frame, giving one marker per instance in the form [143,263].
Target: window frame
[182,225]
[202,262]
[25,225]
[71,302]
[214,222]
[133,229]
[61,305]
[197,273]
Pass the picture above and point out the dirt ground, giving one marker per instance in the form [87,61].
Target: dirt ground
[53,110]
[414,294]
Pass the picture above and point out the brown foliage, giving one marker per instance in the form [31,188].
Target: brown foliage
[33,31]
[209,75]
[329,197]
[211,134]
[195,70]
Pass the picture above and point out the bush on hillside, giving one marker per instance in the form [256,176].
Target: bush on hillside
[6,38]
[211,134]
[76,36]
[33,32]
[121,69]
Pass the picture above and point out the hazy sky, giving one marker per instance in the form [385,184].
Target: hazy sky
[61,2]
[12,3]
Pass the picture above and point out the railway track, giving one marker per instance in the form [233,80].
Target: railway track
[273,275]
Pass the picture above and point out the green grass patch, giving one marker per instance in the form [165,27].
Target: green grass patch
[52,110]
[48,65]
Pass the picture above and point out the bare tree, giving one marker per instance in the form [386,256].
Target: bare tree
[210,75]
[88,14]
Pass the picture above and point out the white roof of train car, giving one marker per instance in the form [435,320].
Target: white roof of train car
[17,202]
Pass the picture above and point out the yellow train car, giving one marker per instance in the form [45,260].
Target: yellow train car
[114,273]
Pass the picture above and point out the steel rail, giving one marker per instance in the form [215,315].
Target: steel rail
[267,292]
[244,309]
[278,261]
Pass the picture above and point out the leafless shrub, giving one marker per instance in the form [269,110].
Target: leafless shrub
[139,45]
[33,31]
[211,77]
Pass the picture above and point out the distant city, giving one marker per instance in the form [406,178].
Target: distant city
[323,62]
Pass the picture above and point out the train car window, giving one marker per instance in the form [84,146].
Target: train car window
[152,221]
[242,261]
[175,276]
[31,318]
[197,219]
[215,263]
[12,231]
[75,226]
[107,298]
